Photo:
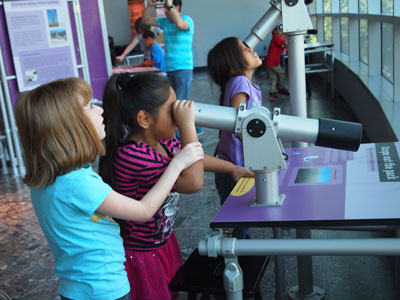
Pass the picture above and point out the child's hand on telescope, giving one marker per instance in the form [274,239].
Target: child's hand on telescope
[238,172]
[183,114]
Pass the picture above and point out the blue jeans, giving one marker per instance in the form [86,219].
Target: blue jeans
[225,184]
[180,81]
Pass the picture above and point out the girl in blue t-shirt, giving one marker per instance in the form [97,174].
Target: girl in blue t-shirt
[61,133]
[231,65]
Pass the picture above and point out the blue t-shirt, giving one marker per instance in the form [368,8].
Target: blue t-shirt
[157,56]
[229,147]
[177,44]
[86,245]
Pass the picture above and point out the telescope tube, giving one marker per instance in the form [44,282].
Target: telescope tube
[330,133]
[263,27]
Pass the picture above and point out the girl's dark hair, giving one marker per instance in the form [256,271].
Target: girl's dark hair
[224,61]
[124,96]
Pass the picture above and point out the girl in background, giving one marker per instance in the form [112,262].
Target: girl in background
[61,133]
[231,65]
[141,114]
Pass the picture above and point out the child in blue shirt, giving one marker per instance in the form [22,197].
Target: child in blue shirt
[157,59]
[61,132]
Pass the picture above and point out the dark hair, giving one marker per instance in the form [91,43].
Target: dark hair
[224,61]
[148,33]
[139,25]
[177,2]
[277,28]
[124,96]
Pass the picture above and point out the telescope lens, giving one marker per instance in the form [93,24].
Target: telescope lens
[339,134]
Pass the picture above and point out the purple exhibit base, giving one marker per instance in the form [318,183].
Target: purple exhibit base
[324,187]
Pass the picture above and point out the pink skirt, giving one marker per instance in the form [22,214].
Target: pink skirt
[150,272]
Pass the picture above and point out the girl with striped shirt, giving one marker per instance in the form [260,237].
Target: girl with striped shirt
[141,115]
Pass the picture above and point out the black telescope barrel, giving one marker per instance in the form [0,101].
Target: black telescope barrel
[337,134]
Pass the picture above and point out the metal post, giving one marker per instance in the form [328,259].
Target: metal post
[267,189]
[297,77]
[332,75]
[233,279]
[280,288]
[81,40]
[305,289]
[10,127]
[319,247]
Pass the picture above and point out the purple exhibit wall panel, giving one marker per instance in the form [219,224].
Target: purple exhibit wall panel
[7,56]
[94,48]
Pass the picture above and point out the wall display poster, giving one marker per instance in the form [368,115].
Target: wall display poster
[41,41]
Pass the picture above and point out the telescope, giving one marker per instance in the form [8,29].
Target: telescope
[262,131]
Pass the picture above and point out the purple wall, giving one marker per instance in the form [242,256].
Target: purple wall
[93,41]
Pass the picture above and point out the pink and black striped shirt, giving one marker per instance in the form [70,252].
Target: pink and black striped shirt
[137,169]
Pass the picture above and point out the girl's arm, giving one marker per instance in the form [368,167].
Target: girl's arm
[237,99]
[214,164]
[191,180]
[122,207]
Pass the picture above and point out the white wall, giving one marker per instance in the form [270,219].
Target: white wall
[117,20]
[217,19]
[213,21]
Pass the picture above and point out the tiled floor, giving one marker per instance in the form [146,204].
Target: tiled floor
[27,267]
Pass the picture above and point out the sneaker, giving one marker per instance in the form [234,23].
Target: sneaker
[284,92]
[272,96]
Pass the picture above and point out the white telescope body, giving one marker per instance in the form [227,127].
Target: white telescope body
[261,132]
[289,128]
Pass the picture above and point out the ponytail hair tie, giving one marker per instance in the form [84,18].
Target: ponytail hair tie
[122,80]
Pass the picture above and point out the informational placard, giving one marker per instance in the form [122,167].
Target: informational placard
[41,41]
[325,186]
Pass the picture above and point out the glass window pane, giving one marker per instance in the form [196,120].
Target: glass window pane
[363,6]
[344,6]
[344,35]
[387,51]
[312,8]
[364,40]
[387,7]
[313,37]
[327,6]
[328,29]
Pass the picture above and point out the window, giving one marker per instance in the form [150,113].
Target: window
[344,35]
[387,51]
[327,6]
[363,6]
[364,40]
[387,7]
[313,37]
[344,6]
[328,29]
[312,8]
